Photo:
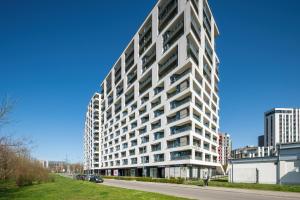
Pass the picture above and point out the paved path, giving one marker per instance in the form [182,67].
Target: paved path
[207,193]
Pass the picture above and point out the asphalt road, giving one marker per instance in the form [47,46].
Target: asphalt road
[203,193]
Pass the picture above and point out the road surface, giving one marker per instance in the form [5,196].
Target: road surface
[203,193]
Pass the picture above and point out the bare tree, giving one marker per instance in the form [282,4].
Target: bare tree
[6,107]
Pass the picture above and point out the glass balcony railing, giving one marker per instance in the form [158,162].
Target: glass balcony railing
[180,155]
[158,135]
[176,77]
[177,117]
[177,103]
[159,158]
[179,129]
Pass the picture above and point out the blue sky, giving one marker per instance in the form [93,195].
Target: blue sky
[54,54]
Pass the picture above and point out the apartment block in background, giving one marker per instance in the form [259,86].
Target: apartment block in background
[225,147]
[92,156]
[252,152]
[282,125]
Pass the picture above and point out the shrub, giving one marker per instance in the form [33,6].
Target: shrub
[148,179]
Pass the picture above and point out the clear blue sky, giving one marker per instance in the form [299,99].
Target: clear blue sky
[54,54]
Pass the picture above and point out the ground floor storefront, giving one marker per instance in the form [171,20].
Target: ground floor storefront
[173,171]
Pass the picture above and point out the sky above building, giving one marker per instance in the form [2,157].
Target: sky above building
[54,55]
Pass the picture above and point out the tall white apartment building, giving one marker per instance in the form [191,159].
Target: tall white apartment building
[159,102]
[225,148]
[282,125]
[92,156]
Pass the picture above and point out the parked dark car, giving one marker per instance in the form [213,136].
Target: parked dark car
[81,177]
[96,179]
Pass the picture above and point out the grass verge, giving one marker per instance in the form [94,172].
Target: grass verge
[253,186]
[67,189]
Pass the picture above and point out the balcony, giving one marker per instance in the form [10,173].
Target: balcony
[145,36]
[158,112]
[197,117]
[207,21]
[133,161]
[156,147]
[118,108]
[155,102]
[177,103]
[207,72]
[166,12]
[145,84]
[198,155]
[145,119]
[129,97]
[193,51]
[176,77]
[156,125]
[179,88]
[131,77]
[145,159]
[120,90]
[159,157]
[178,142]
[145,139]
[181,155]
[129,57]
[143,130]
[196,28]
[178,116]
[173,34]
[158,89]
[179,129]
[195,4]
[118,73]
[159,135]
[208,52]
[169,64]
[149,58]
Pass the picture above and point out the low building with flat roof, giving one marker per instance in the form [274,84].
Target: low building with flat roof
[281,168]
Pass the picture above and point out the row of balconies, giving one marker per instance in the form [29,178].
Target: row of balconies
[171,143]
[149,58]
[193,51]
[167,10]
[175,155]
[129,57]
[173,33]
[145,36]
[169,63]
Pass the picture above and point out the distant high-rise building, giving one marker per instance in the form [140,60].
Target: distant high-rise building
[282,125]
[225,147]
[92,136]
[261,140]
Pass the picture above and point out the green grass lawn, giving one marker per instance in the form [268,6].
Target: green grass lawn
[271,187]
[68,189]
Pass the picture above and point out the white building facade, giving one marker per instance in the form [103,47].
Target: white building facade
[159,103]
[92,156]
[282,125]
